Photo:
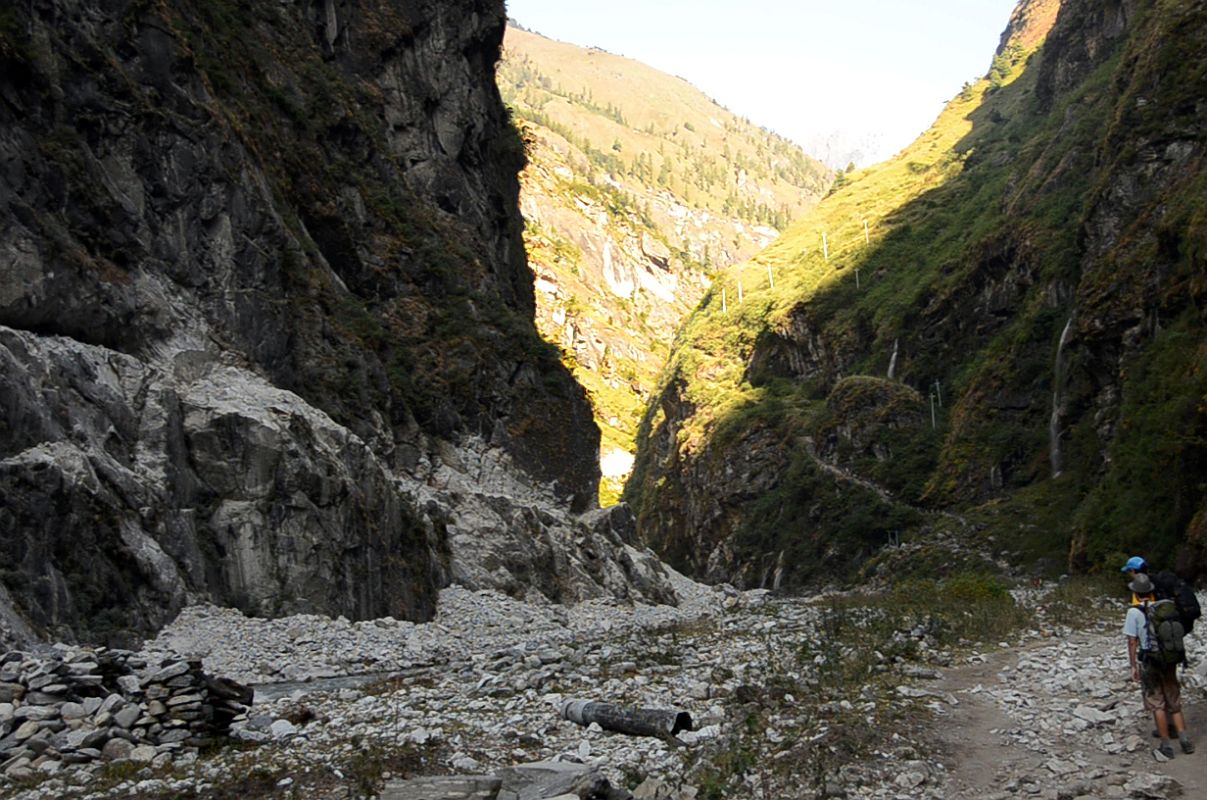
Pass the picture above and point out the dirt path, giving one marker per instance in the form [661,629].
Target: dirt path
[1062,720]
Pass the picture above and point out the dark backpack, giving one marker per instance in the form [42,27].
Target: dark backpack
[1170,587]
[1165,632]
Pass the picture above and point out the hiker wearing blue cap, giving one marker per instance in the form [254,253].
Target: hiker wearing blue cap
[1154,632]
[1135,564]
[1168,586]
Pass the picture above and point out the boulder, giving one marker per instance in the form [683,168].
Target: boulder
[548,779]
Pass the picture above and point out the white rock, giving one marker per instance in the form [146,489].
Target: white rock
[282,728]
[143,754]
[911,779]
[1148,785]
[463,763]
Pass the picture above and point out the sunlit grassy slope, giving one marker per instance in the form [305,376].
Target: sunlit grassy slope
[1025,212]
[639,188]
[820,256]
[646,127]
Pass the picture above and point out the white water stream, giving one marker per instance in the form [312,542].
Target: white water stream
[1057,380]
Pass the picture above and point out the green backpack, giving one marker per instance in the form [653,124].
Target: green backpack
[1165,633]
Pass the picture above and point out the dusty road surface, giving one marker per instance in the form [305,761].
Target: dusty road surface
[1062,720]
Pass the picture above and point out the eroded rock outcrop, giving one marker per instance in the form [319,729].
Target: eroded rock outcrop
[266,321]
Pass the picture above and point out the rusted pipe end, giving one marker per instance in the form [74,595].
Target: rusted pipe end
[573,710]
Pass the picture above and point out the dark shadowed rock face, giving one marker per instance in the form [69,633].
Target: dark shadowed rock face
[265,316]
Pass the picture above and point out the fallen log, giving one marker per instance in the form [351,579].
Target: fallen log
[633,721]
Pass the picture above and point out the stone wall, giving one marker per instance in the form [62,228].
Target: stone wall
[73,706]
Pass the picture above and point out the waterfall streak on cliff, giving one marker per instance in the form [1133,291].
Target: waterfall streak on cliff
[1054,420]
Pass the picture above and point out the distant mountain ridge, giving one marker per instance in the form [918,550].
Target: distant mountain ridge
[639,189]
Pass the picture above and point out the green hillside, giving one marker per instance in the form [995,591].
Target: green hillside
[645,127]
[639,190]
[1003,324]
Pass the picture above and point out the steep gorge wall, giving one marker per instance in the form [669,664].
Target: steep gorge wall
[266,321]
[1041,279]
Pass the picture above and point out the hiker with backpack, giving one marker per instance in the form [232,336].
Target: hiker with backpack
[1155,647]
[1168,586]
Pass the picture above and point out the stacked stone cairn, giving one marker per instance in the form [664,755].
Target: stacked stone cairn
[77,705]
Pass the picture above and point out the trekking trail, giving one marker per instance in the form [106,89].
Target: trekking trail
[1059,718]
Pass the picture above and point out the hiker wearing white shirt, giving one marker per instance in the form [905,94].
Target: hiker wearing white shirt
[1159,681]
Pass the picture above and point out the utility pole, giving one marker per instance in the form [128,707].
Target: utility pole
[724,304]
[856,277]
[866,240]
[825,246]
[939,392]
[770,277]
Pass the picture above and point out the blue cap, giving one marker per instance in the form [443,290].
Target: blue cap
[1135,562]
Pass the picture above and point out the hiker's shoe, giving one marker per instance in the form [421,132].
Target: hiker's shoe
[1165,750]
[1187,745]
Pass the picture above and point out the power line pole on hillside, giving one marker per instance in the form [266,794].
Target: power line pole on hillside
[825,246]
[724,303]
[866,239]
[770,277]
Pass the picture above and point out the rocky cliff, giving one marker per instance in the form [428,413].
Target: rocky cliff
[997,334]
[266,321]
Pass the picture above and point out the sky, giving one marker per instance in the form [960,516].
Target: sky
[860,75]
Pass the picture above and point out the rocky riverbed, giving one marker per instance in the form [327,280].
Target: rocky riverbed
[784,704]
[468,623]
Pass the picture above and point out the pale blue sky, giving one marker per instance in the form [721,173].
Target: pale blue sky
[876,71]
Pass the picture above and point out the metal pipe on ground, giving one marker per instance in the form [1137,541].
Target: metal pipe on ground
[633,721]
